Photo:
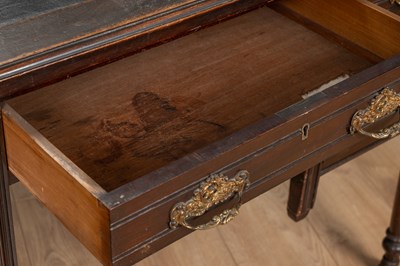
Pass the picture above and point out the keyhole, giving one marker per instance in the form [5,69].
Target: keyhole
[304,131]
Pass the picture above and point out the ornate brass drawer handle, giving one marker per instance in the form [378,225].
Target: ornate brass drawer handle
[216,189]
[387,102]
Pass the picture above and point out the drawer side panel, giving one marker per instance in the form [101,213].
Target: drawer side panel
[52,183]
[355,21]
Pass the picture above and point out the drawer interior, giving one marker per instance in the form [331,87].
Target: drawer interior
[126,119]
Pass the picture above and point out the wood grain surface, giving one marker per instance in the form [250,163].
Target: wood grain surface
[345,227]
[117,117]
[355,20]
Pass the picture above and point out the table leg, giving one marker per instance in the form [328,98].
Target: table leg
[302,193]
[391,243]
[7,243]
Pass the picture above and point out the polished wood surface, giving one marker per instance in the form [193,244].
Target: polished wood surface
[303,192]
[345,227]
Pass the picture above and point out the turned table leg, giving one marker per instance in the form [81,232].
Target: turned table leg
[391,243]
[7,245]
[302,193]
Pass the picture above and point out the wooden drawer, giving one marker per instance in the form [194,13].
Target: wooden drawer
[111,151]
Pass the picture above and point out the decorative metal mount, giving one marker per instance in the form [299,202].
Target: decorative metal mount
[386,103]
[216,189]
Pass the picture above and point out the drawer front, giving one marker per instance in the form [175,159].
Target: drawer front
[276,152]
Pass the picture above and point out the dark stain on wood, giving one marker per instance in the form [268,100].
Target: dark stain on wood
[85,121]
[140,129]
[121,129]
[153,110]
[109,149]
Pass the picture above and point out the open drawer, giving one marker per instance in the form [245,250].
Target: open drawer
[129,154]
